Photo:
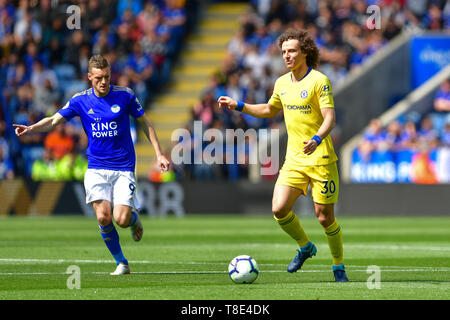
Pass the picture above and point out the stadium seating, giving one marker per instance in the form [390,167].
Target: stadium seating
[231,43]
[108,27]
[341,32]
[413,148]
[204,52]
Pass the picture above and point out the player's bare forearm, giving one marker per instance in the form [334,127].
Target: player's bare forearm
[256,110]
[153,138]
[260,110]
[150,133]
[43,125]
[329,121]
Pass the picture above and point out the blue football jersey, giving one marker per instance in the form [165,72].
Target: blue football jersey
[106,121]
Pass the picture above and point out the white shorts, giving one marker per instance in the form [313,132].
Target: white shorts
[117,187]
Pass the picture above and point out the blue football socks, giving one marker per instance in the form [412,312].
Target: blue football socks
[111,238]
[133,218]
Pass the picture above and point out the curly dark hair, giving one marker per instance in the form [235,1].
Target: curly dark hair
[307,44]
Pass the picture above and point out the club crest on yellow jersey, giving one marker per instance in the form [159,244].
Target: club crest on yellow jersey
[304,94]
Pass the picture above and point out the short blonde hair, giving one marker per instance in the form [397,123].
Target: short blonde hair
[99,62]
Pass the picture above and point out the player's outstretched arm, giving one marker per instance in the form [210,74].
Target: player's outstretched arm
[255,110]
[150,132]
[44,125]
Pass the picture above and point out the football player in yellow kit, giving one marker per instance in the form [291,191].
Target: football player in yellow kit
[305,96]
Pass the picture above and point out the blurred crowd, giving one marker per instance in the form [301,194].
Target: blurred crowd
[425,137]
[44,61]
[343,33]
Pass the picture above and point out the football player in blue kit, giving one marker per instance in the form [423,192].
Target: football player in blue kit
[104,110]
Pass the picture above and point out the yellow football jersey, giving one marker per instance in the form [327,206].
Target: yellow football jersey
[301,103]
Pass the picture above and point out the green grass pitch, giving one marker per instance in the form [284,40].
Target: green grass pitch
[187,259]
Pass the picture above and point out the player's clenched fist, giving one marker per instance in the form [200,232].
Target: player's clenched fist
[163,163]
[225,101]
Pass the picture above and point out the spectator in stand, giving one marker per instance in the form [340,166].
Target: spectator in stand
[139,70]
[427,133]
[441,113]
[31,56]
[135,6]
[175,19]
[26,28]
[237,46]
[22,103]
[394,135]
[59,142]
[443,159]
[93,17]
[31,145]
[73,48]
[442,99]
[104,40]
[433,20]
[34,40]
[364,150]
[409,138]
[16,76]
[44,97]
[116,67]
[147,15]
[54,49]
[39,74]
[446,135]
[6,167]
[422,168]
[44,168]
[204,109]
[446,14]
[374,139]
[255,61]
[233,89]
[375,135]
[335,70]
[6,164]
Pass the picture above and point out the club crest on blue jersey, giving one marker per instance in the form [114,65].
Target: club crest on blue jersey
[115,108]
[304,94]
[106,121]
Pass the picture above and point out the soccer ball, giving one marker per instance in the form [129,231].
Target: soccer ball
[243,269]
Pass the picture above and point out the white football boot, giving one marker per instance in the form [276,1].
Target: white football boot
[137,230]
[122,268]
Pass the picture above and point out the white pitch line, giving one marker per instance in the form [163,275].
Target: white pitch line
[59,261]
[220,272]
[327,267]
[420,247]
[396,247]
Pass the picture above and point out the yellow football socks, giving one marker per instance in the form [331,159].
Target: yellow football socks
[291,225]
[334,237]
